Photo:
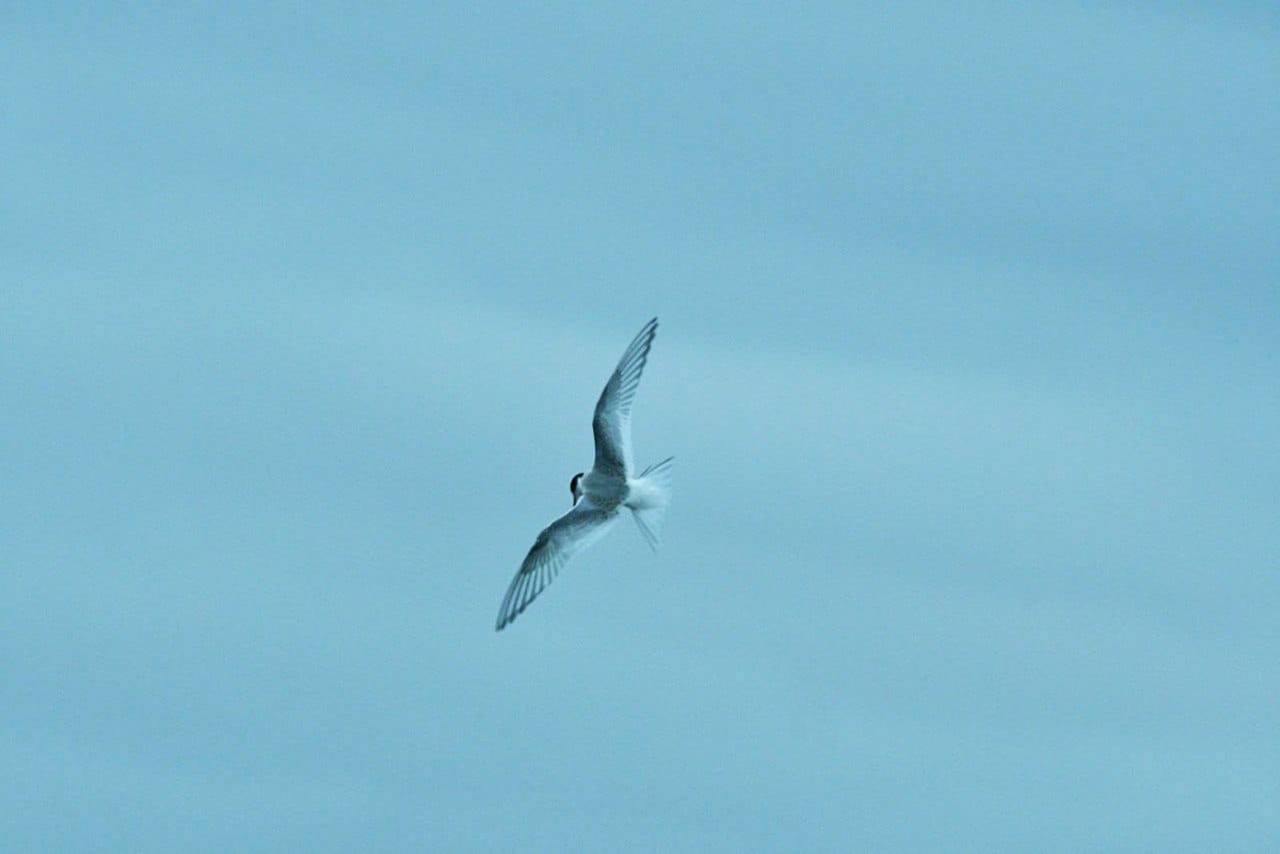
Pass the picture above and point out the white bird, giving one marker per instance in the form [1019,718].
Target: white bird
[600,495]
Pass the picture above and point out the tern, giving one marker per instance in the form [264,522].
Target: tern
[599,496]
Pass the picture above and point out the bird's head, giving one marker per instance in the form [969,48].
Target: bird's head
[573,487]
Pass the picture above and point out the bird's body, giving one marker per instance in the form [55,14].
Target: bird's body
[606,491]
[600,495]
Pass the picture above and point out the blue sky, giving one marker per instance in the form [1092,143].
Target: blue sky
[968,360]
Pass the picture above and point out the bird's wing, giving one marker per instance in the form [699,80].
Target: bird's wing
[612,421]
[558,542]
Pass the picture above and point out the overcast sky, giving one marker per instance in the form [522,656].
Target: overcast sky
[968,358]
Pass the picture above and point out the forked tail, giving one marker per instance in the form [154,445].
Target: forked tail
[650,496]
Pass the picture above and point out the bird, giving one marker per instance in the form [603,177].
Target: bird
[600,495]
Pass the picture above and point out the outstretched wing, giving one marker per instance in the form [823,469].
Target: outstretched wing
[612,421]
[558,542]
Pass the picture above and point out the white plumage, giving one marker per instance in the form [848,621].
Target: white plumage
[600,496]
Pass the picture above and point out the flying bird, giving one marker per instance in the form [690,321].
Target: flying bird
[599,496]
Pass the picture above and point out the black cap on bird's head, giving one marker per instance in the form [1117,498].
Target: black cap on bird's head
[573,486]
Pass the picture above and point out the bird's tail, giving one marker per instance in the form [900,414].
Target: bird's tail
[650,495]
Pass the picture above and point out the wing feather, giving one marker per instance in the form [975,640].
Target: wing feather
[557,543]
[612,421]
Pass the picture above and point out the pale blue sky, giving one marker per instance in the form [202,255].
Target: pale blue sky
[971,329]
